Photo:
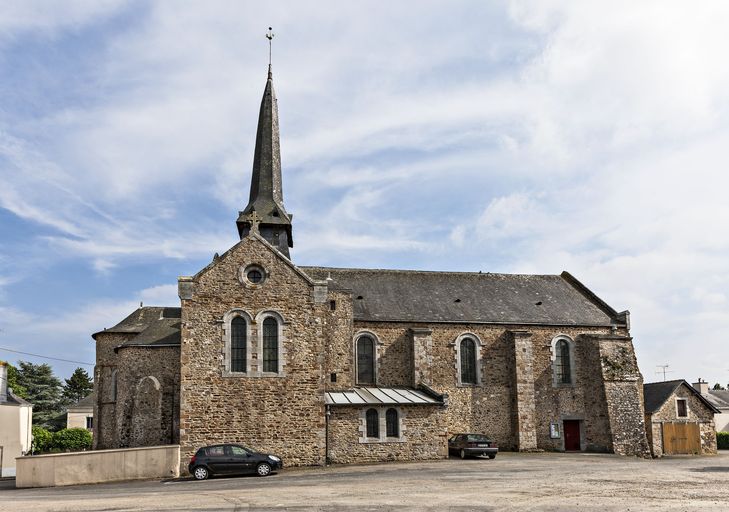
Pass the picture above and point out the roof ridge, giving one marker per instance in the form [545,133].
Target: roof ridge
[414,271]
[665,382]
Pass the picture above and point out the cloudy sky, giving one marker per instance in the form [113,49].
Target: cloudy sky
[525,137]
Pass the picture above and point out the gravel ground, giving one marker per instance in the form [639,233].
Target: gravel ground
[512,481]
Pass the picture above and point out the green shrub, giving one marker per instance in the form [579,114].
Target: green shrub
[722,440]
[42,440]
[72,440]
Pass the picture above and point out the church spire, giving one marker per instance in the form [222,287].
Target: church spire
[265,211]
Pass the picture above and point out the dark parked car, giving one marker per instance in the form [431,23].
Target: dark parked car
[467,445]
[231,459]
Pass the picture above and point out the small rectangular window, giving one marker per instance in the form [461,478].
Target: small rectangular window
[333,305]
[681,408]
[333,377]
[89,422]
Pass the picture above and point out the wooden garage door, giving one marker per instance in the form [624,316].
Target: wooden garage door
[681,438]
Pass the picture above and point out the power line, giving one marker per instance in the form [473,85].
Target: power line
[45,357]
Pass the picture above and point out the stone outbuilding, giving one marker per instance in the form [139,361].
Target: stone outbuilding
[679,420]
[322,364]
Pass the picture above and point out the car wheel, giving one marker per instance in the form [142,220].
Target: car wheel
[463,453]
[263,469]
[200,473]
[492,456]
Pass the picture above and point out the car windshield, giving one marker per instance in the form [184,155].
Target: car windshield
[476,437]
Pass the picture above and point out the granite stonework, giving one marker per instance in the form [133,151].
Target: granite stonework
[423,435]
[167,375]
[280,413]
[137,394]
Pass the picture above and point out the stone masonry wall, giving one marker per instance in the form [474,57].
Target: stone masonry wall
[489,406]
[278,414]
[697,413]
[105,427]
[147,406]
[339,333]
[423,436]
[623,386]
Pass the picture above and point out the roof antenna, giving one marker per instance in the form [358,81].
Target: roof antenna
[663,368]
[269,36]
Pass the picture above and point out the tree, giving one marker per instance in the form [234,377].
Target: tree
[78,386]
[13,381]
[43,390]
[718,386]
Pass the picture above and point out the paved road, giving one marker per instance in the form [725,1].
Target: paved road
[512,481]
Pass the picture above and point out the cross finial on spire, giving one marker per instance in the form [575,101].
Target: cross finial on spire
[269,36]
[255,220]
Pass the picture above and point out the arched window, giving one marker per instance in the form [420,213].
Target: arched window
[391,423]
[270,345]
[238,341]
[468,361]
[562,362]
[373,423]
[365,360]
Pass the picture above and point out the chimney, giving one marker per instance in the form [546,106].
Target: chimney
[701,386]
[3,382]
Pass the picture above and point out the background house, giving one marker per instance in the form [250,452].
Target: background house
[16,419]
[679,420]
[719,398]
[81,414]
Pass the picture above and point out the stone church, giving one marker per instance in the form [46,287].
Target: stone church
[352,365]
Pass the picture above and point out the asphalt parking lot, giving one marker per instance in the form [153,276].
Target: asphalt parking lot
[513,481]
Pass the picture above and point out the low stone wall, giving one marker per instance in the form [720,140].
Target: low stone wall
[98,466]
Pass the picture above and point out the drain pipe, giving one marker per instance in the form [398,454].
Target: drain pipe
[326,435]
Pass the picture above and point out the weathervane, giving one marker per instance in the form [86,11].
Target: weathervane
[269,36]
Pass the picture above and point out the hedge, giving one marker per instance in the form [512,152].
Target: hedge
[722,440]
[42,440]
[72,440]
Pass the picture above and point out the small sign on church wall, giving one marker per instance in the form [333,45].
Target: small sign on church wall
[554,430]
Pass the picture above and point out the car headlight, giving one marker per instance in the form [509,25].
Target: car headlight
[274,458]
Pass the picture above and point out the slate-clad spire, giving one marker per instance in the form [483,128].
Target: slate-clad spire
[265,210]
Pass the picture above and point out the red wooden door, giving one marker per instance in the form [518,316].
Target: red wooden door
[571,435]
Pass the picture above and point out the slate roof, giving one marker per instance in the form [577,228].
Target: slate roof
[719,398]
[85,403]
[468,297]
[154,326]
[266,197]
[655,394]
[14,399]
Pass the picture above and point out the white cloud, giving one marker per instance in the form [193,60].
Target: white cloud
[18,16]
[579,136]
[161,295]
